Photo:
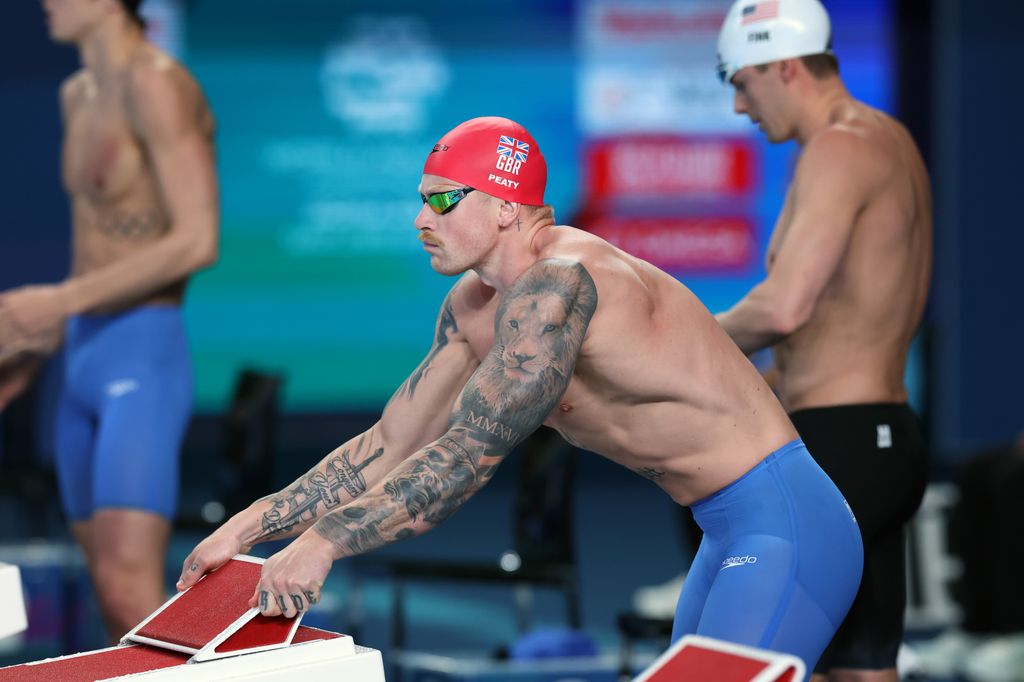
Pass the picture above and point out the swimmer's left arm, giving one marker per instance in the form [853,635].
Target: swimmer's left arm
[827,196]
[539,330]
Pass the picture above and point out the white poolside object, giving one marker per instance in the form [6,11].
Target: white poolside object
[12,601]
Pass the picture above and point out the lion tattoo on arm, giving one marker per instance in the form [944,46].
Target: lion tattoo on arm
[538,332]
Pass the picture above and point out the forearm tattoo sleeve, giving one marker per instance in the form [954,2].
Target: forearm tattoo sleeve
[335,481]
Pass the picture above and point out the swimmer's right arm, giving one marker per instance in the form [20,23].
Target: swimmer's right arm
[827,198]
[415,415]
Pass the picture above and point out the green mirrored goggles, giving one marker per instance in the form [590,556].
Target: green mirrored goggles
[442,202]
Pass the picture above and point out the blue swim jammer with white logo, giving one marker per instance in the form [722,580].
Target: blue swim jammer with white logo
[780,561]
[125,402]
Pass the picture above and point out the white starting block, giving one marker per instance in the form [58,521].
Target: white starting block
[12,601]
[208,633]
[698,659]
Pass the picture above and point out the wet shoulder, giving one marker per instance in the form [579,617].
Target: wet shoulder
[622,281]
[839,142]
[847,157]
[867,131]
[891,142]
[571,245]
[156,84]
[153,63]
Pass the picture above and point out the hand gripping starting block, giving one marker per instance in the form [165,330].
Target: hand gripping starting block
[697,659]
[208,632]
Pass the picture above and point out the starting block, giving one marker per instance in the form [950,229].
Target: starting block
[696,659]
[208,632]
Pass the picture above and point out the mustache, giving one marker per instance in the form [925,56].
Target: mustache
[427,239]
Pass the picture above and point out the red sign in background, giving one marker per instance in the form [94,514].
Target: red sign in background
[682,243]
[668,166]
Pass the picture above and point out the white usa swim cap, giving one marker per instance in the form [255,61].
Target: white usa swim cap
[762,31]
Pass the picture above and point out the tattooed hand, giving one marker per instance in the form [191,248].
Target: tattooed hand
[291,580]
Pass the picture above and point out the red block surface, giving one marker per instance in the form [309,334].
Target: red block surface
[209,607]
[304,634]
[263,631]
[258,632]
[95,666]
[702,664]
[694,663]
[123,660]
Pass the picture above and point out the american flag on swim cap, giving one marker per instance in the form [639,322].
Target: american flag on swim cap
[493,155]
[769,9]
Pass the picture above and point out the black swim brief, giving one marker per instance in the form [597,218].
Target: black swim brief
[875,454]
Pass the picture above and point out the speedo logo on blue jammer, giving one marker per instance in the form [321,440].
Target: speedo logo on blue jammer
[738,561]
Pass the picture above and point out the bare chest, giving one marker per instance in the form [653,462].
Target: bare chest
[102,160]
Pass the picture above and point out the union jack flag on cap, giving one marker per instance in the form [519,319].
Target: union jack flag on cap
[510,146]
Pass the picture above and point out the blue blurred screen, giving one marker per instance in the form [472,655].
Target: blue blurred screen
[326,111]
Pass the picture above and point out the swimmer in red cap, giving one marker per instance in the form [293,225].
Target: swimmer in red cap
[551,325]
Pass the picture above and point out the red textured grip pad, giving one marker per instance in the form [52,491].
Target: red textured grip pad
[304,634]
[96,666]
[694,663]
[263,631]
[260,631]
[208,607]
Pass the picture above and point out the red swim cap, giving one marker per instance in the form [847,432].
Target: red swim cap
[492,155]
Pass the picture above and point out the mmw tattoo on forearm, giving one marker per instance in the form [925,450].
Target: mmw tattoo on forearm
[318,489]
[493,427]
[539,330]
